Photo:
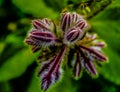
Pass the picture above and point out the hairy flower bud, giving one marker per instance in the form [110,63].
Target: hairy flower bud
[73,35]
[65,21]
[77,66]
[44,25]
[93,52]
[75,17]
[81,24]
[41,38]
[88,64]
[50,71]
[70,20]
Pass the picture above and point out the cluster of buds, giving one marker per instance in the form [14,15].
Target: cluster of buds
[70,39]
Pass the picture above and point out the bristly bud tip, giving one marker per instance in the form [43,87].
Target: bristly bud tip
[50,71]
[73,35]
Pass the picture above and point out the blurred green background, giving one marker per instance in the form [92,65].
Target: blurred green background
[18,66]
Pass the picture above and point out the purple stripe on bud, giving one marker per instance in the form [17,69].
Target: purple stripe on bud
[46,21]
[43,37]
[38,24]
[30,41]
[96,53]
[65,21]
[44,34]
[90,67]
[35,49]
[81,24]
[100,44]
[77,67]
[88,64]
[76,17]
[69,20]
[50,71]
[73,35]
[35,42]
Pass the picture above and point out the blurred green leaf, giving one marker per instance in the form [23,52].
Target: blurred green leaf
[34,84]
[17,65]
[1,2]
[9,46]
[106,24]
[111,70]
[35,7]
[60,4]
[88,8]
[5,87]
[115,3]
[1,47]
[110,32]
[14,39]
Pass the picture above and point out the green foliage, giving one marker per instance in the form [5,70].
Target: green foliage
[60,4]
[5,87]
[106,24]
[15,57]
[16,65]
[1,1]
[34,84]
[35,7]
[88,8]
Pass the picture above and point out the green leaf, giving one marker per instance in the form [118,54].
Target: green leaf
[1,2]
[106,24]
[88,8]
[17,65]
[109,31]
[5,87]
[35,7]
[34,84]
[111,69]
[17,41]
[1,47]
[60,4]
[115,3]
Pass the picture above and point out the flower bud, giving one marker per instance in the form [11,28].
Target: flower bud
[41,38]
[50,71]
[81,24]
[43,25]
[73,35]
[77,67]
[65,21]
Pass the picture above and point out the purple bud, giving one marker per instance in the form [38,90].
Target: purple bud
[88,64]
[90,67]
[73,35]
[41,38]
[46,21]
[65,21]
[97,53]
[30,41]
[100,44]
[50,71]
[35,49]
[38,24]
[77,67]
[81,24]
[76,17]
[70,20]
